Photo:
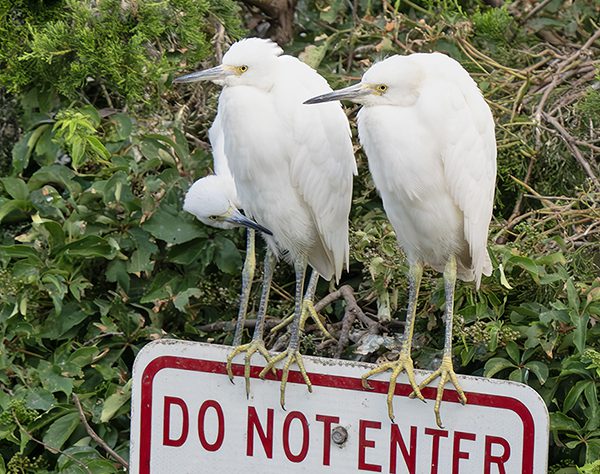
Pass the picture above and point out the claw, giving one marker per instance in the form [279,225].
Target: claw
[308,311]
[282,324]
[403,364]
[249,349]
[290,357]
[445,373]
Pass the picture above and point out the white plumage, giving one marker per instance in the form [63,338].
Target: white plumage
[433,159]
[429,138]
[211,199]
[292,165]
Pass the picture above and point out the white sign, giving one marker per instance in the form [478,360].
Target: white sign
[187,417]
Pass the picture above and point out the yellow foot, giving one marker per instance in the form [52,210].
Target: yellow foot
[290,356]
[308,311]
[445,373]
[249,349]
[403,364]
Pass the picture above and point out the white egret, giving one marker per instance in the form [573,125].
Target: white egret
[213,200]
[292,164]
[429,138]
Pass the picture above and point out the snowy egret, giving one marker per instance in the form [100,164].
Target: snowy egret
[213,200]
[292,165]
[429,138]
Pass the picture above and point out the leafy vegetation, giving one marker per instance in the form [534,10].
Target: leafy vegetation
[97,258]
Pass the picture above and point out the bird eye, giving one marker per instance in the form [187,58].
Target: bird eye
[243,68]
[382,88]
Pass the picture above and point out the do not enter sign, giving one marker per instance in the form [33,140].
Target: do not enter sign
[187,417]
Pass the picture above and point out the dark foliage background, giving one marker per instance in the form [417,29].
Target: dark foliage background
[97,149]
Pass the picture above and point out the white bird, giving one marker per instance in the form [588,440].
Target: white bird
[429,138]
[292,165]
[213,201]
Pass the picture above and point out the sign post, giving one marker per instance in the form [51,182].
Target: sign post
[187,417]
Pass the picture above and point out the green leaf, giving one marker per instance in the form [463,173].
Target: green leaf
[83,356]
[539,369]
[98,147]
[580,332]
[20,251]
[503,280]
[16,188]
[116,272]
[122,126]
[141,259]
[572,295]
[57,328]
[227,255]
[38,398]
[89,247]
[592,454]
[552,259]
[561,422]
[77,151]
[180,150]
[183,298]
[527,264]
[172,225]
[55,174]
[512,349]
[11,206]
[574,394]
[517,375]
[313,54]
[114,402]
[60,431]
[495,365]
[21,153]
[48,202]
[52,380]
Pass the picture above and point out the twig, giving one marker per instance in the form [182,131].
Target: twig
[517,209]
[230,325]
[579,51]
[47,446]
[95,436]
[571,144]
[352,312]
[219,41]
[537,8]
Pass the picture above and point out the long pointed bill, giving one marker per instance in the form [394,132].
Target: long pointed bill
[213,74]
[237,218]
[348,93]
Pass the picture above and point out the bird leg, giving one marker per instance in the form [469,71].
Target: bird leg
[257,344]
[404,361]
[247,278]
[308,311]
[446,370]
[292,353]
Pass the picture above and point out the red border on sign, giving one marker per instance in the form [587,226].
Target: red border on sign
[321,380]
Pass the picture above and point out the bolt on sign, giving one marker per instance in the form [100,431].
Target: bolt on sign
[187,417]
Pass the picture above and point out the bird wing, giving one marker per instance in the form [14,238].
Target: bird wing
[217,142]
[468,154]
[322,160]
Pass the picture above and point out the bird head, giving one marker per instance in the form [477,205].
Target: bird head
[393,81]
[247,62]
[212,200]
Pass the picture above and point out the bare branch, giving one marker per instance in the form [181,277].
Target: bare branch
[95,436]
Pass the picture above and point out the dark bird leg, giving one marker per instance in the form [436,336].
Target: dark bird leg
[292,353]
[257,344]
